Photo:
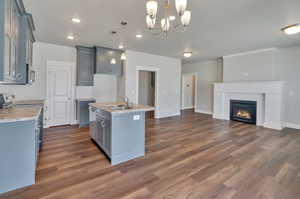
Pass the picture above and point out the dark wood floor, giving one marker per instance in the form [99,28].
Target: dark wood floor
[187,157]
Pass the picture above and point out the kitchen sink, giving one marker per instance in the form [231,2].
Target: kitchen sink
[121,107]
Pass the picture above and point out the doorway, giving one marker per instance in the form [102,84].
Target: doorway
[60,92]
[147,89]
[189,91]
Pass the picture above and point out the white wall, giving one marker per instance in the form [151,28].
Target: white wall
[272,64]
[287,68]
[249,66]
[105,88]
[207,72]
[41,53]
[169,80]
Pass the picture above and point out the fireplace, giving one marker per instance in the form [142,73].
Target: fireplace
[243,111]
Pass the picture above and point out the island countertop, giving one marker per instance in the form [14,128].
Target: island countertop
[109,107]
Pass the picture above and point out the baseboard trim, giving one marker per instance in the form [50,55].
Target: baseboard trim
[203,111]
[270,125]
[184,108]
[218,116]
[292,125]
[160,116]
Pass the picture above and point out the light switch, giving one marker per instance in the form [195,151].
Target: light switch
[136,117]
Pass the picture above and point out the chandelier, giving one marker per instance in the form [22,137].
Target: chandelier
[168,21]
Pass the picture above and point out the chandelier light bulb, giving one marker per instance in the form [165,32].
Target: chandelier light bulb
[150,22]
[165,24]
[186,18]
[180,6]
[151,7]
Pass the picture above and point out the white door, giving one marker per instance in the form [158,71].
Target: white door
[59,95]
[188,91]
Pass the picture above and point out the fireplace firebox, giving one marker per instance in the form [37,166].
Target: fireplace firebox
[243,111]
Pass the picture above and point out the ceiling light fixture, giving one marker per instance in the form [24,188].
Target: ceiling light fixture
[165,22]
[138,36]
[187,54]
[76,20]
[70,37]
[292,29]
[124,23]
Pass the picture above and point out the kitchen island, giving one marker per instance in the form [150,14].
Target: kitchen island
[119,130]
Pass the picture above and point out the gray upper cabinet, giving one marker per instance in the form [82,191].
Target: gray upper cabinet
[15,30]
[26,48]
[29,27]
[103,61]
[85,66]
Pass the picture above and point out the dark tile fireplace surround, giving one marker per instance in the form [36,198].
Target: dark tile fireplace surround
[243,111]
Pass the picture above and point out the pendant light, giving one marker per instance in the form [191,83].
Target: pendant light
[123,56]
[150,22]
[186,18]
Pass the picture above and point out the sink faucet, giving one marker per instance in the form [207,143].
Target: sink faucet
[126,100]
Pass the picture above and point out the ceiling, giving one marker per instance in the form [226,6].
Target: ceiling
[218,27]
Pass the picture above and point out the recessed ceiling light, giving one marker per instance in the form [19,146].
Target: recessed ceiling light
[138,36]
[70,37]
[172,18]
[292,29]
[187,54]
[76,20]
[121,46]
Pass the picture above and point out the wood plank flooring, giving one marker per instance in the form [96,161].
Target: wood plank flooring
[187,157]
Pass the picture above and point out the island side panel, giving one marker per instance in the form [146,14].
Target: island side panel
[17,153]
[128,136]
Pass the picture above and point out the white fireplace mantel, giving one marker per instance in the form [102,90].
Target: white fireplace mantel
[267,94]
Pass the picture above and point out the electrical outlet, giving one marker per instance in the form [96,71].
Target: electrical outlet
[136,117]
